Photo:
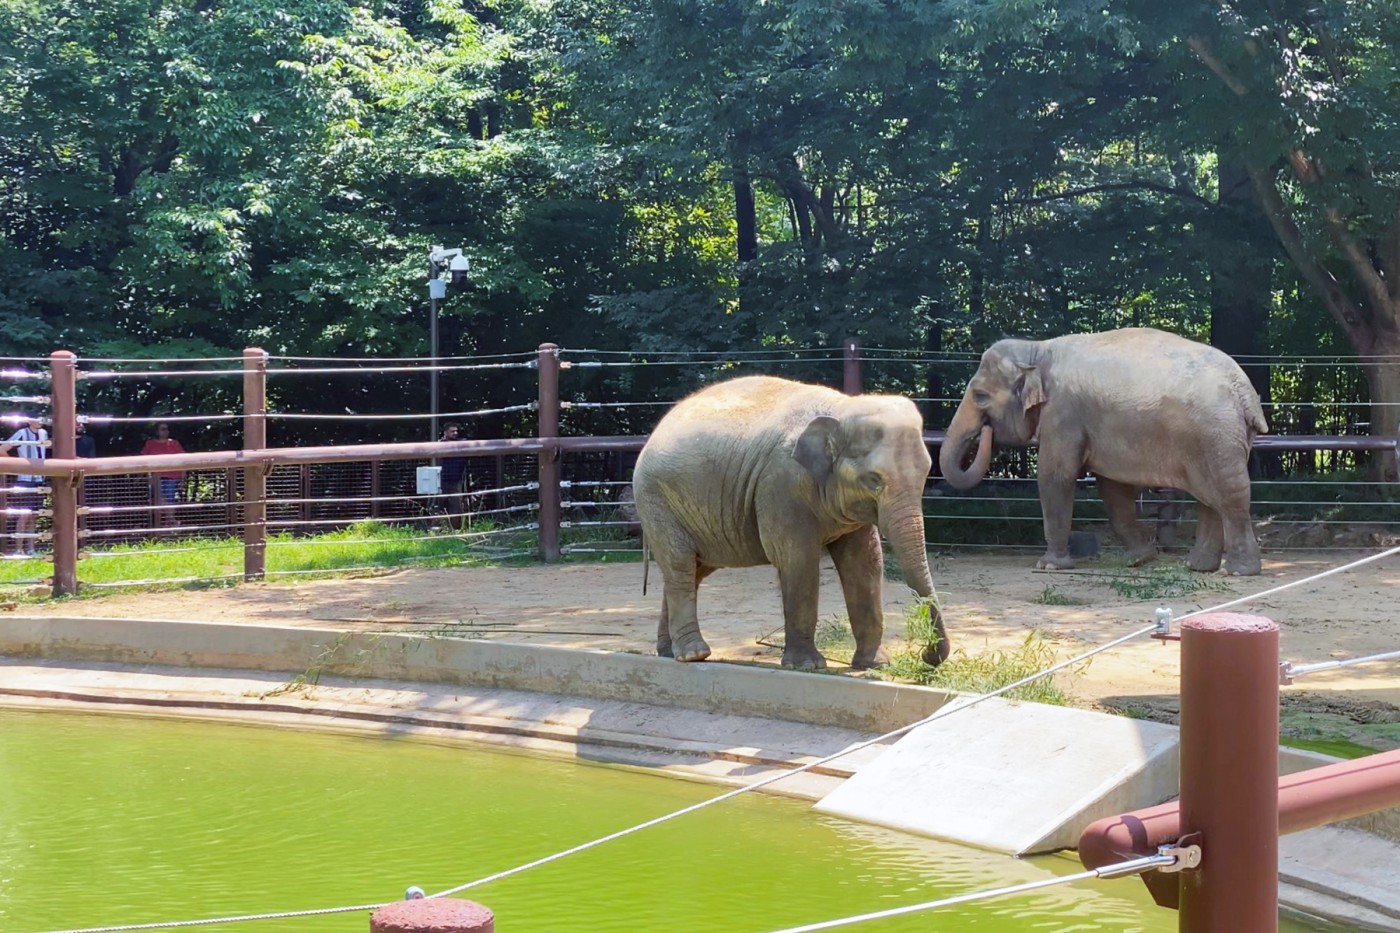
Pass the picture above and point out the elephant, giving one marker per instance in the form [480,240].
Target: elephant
[1136,407]
[761,470]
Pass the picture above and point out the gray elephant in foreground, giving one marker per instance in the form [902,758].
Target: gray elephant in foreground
[1136,407]
[760,470]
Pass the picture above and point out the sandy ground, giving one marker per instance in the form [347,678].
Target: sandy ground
[991,603]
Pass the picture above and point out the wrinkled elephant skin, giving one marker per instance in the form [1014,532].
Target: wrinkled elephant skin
[762,470]
[1136,408]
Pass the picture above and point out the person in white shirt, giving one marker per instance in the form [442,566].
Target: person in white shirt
[28,443]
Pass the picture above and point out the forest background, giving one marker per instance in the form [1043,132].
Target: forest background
[184,178]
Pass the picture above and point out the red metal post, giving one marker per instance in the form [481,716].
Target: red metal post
[63,408]
[433,915]
[1229,772]
[851,384]
[254,475]
[549,456]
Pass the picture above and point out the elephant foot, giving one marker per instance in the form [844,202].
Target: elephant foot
[1243,567]
[1204,563]
[1053,561]
[1142,555]
[865,660]
[690,649]
[663,648]
[806,658]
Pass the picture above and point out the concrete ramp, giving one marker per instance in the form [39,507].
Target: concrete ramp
[1013,777]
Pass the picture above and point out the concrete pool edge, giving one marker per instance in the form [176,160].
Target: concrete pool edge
[351,662]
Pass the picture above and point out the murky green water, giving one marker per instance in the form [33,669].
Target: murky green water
[114,820]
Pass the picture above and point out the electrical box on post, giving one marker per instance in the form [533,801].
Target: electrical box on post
[429,480]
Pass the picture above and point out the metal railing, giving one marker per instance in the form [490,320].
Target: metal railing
[256,489]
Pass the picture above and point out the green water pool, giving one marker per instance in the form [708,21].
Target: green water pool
[110,820]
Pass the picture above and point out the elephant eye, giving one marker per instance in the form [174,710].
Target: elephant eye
[872,481]
[981,398]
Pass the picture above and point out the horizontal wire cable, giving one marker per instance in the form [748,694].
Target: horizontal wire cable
[1302,670]
[836,351]
[300,416]
[521,355]
[1130,867]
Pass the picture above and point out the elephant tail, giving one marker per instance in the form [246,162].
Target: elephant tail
[1253,412]
[646,563]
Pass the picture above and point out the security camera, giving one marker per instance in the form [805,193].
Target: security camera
[460,269]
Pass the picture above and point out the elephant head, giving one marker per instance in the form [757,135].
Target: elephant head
[871,464]
[1002,406]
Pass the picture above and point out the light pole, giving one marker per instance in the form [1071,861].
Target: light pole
[458,269]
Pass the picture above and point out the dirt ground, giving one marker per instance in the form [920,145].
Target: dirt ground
[991,602]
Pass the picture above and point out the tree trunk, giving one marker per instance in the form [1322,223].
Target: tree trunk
[745,217]
[1383,379]
[933,344]
[1241,290]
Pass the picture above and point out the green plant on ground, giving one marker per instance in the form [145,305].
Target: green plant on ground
[1051,596]
[976,673]
[1163,579]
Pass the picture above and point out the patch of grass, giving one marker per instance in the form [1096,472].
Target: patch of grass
[979,673]
[1337,748]
[835,640]
[194,562]
[1163,579]
[1050,596]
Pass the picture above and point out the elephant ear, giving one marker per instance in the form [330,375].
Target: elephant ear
[1029,388]
[816,448]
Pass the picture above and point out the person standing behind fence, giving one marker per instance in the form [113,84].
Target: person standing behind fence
[454,479]
[167,483]
[84,444]
[29,443]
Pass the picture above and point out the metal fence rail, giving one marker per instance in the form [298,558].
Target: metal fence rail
[569,487]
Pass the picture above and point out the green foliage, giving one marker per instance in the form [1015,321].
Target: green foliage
[1162,579]
[1051,596]
[984,672]
[364,546]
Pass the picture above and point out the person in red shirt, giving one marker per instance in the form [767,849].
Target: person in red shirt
[169,481]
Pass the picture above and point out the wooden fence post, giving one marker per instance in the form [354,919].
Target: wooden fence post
[851,382]
[63,409]
[254,474]
[549,456]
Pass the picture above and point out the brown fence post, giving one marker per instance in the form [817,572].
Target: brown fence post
[549,456]
[63,408]
[255,474]
[1229,772]
[851,383]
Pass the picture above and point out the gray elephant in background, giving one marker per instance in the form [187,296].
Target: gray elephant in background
[760,470]
[1136,407]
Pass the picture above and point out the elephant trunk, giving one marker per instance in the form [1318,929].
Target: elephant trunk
[902,523]
[954,450]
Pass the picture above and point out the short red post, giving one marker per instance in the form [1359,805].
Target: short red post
[851,376]
[1229,773]
[549,457]
[435,915]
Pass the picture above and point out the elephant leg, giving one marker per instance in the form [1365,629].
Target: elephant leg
[663,630]
[797,558]
[860,563]
[1240,545]
[1120,499]
[1057,510]
[1210,540]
